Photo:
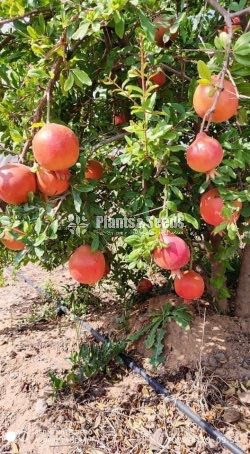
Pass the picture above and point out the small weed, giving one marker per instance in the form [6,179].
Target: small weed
[156,330]
[89,361]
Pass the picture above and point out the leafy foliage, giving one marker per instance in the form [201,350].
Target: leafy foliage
[100,56]
[156,330]
[89,361]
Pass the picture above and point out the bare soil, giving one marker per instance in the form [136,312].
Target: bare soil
[207,367]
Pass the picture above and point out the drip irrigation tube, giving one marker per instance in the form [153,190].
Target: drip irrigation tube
[159,389]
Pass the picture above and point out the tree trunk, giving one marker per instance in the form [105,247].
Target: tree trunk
[243,290]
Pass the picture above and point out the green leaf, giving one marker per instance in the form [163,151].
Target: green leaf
[152,335]
[38,225]
[69,82]
[119,24]
[147,26]
[242,41]
[82,76]
[204,82]
[77,200]
[244,61]
[220,227]
[177,192]
[204,71]
[158,347]
[39,252]
[31,32]
[16,136]
[95,243]
[191,220]
[82,31]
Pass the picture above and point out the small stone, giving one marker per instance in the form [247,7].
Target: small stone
[220,357]
[245,397]
[10,436]
[13,354]
[40,407]
[189,440]
[231,415]
[157,439]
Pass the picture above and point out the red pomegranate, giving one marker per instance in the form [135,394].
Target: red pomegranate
[10,242]
[226,106]
[87,266]
[56,147]
[211,207]
[162,27]
[190,285]
[204,154]
[120,119]
[144,286]
[94,170]
[174,255]
[16,182]
[158,78]
[53,183]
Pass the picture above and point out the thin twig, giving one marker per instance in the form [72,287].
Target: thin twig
[109,140]
[241,12]
[174,71]
[223,12]
[35,12]
[36,118]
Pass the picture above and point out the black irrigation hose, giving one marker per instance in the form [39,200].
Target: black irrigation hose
[159,389]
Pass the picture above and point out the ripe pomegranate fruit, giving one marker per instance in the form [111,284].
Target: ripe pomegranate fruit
[55,147]
[204,154]
[144,286]
[158,78]
[94,170]
[174,255]
[211,206]
[162,29]
[10,242]
[227,104]
[120,119]
[190,285]
[52,183]
[16,182]
[87,266]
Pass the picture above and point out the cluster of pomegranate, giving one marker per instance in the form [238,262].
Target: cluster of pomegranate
[56,149]
[173,255]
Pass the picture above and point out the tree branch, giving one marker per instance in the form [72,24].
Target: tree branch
[241,12]
[6,41]
[224,13]
[35,12]
[109,140]
[177,73]
[36,118]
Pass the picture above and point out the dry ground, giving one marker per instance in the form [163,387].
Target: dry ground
[207,367]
